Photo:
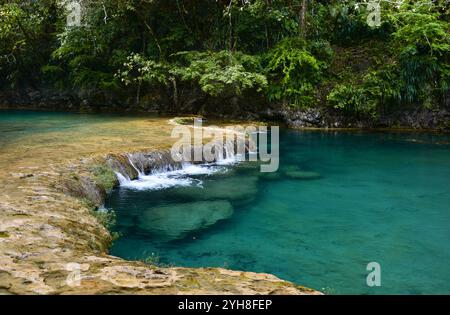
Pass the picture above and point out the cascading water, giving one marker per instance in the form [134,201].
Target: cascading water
[122,179]
[158,170]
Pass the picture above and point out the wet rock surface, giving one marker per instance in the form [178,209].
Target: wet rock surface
[51,242]
[249,107]
[46,235]
[419,118]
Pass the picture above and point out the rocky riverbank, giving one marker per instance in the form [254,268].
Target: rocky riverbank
[419,118]
[53,239]
[245,107]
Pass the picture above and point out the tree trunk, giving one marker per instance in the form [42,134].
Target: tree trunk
[175,91]
[138,93]
[230,25]
[303,11]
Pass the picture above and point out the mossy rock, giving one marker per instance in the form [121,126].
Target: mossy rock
[121,164]
[104,177]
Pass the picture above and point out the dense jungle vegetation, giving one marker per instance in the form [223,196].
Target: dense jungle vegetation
[293,53]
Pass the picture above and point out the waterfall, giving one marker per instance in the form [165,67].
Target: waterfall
[139,171]
[122,179]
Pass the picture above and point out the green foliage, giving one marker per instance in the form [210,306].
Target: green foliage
[228,48]
[422,46]
[105,217]
[220,73]
[351,98]
[137,69]
[344,22]
[415,68]
[81,56]
[293,71]
[26,32]
[370,95]
[259,24]
[104,177]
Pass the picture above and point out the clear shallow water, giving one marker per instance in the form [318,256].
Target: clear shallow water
[47,128]
[30,139]
[18,124]
[381,197]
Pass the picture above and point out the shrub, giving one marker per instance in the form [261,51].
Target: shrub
[352,99]
[292,71]
[220,73]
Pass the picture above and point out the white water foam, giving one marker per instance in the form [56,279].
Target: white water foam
[185,176]
[199,169]
[132,164]
[122,179]
[175,178]
[158,181]
[230,160]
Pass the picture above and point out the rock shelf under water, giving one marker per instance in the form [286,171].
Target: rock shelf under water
[49,226]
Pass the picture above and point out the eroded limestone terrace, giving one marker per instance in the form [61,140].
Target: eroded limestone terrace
[52,182]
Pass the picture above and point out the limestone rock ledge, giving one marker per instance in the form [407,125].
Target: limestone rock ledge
[51,243]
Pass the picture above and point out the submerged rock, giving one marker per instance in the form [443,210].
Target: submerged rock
[175,221]
[271,176]
[229,188]
[294,172]
[248,166]
[48,228]
[303,175]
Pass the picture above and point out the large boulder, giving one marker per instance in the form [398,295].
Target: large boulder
[172,222]
[228,188]
[303,175]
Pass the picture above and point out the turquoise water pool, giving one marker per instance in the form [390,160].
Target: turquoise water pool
[382,197]
[367,197]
